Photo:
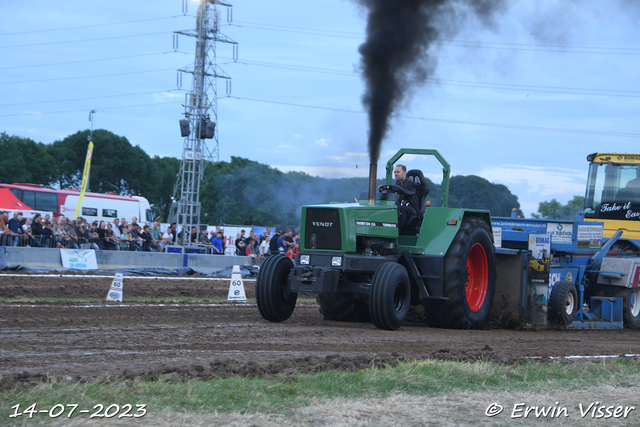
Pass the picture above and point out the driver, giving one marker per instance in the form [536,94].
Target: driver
[408,201]
[634,183]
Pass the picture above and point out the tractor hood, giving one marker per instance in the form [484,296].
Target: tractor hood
[334,227]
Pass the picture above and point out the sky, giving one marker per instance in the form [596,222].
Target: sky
[521,101]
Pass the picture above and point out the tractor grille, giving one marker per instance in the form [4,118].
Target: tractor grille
[322,229]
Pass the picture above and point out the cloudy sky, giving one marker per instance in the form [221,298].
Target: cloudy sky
[521,102]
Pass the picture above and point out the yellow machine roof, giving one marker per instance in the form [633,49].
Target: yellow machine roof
[614,158]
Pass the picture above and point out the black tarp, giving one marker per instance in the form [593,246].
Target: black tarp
[184,271]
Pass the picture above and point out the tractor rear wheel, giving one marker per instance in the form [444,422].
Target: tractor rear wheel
[563,303]
[469,279]
[390,296]
[343,307]
[273,291]
[632,308]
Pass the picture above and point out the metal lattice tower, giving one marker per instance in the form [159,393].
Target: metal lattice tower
[200,111]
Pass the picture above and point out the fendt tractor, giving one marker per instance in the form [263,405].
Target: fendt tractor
[463,267]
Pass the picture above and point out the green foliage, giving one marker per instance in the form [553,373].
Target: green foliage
[248,192]
[24,160]
[116,167]
[159,192]
[475,192]
[556,210]
[241,191]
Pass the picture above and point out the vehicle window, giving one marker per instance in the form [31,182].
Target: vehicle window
[29,198]
[17,193]
[46,202]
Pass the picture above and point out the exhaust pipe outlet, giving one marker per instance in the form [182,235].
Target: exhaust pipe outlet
[373,173]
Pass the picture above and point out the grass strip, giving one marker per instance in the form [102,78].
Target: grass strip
[281,394]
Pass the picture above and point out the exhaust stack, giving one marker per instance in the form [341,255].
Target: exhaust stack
[373,173]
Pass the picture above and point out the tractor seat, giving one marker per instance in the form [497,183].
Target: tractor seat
[413,225]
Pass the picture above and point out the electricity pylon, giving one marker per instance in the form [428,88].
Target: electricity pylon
[200,111]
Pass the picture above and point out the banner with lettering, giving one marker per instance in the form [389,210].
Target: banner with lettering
[82,259]
[85,177]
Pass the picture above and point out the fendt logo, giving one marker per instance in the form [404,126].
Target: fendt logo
[322,224]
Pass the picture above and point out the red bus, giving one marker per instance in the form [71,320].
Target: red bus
[95,206]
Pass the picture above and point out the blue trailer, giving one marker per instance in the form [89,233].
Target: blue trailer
[564,273]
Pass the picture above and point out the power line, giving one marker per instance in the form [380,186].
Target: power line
[37,113]
[307,31]
[488,85]
[543,45]
[344,110]
[92,60]
[91,26]
[458,122]
[463,83]
[568,49]
[93,97]
[458,43]
[337,32]
[86,77]
[88,40]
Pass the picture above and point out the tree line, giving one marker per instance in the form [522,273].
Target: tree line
[240,191]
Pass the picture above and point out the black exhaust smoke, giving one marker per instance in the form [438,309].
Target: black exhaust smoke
[395,58]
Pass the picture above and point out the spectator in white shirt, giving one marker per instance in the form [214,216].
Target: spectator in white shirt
[264,247]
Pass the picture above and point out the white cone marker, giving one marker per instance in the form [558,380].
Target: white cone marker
[236,288]
[115,292]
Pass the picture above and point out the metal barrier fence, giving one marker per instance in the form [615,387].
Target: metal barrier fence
[79,243]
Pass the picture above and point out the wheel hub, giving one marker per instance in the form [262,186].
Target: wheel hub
[634,302]
[398,298]
[477,277]
[570,304]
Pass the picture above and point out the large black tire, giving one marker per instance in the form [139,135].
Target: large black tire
[273,292]
[632,308]
[469,279]
[343,307]
[390,296]
[563,303]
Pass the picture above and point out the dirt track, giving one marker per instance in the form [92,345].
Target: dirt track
[80,340]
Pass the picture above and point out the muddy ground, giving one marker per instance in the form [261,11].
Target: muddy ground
[75,339]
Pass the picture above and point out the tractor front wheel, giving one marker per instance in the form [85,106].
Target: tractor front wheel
[390,296]
[273,291]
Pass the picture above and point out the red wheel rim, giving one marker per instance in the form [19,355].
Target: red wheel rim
[477,277]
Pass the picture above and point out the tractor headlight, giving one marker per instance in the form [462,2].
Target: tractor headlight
[336,261]
[304,259]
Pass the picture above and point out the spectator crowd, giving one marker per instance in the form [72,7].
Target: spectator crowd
[258,247]
[65,233]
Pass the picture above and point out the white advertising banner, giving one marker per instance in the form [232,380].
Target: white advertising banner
[560,232]
[83,259]
[497,237]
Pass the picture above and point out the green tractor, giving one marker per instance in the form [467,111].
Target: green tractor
[362,267]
